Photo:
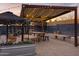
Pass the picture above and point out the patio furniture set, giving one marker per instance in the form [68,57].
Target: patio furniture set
[37,37]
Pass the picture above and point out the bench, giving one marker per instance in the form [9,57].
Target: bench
[63,37]
[73,38]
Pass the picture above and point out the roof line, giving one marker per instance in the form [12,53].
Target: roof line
[48,6]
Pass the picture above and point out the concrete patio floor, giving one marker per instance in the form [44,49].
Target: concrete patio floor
[56,48]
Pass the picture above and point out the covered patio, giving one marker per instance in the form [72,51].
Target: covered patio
[39,14]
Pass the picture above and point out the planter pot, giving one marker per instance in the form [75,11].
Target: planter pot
[18,50]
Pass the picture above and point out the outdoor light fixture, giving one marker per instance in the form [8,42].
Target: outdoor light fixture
[52,20]
[59,19]
[48,21]
[27,15]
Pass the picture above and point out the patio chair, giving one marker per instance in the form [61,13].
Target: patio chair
[12,39]
[46,37]
[2,39]
[33,38]
[18,39]
[25,37]
[41,37]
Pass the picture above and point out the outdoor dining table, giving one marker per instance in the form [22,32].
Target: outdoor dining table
[38,33]
[41,35]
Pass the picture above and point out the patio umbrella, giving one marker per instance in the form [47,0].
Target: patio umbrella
[10,18]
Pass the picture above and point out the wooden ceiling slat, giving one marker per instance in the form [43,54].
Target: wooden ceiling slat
[46,12]
[37,11]
[40,12]
[28,10]
[32,11]
[49,12]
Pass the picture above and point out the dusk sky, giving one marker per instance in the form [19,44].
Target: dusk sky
[15,8]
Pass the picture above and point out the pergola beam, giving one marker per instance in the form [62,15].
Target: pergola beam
[46,6]
[58,15]
[7,33]
[22,32]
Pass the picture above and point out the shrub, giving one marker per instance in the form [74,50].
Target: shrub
[28,42]
[9,43]
[19,43]
[6,44]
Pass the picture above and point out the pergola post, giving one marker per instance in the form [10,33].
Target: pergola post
[6,33]
[22,30]
[28,31]
[14,29]
[42,25]
[75,25]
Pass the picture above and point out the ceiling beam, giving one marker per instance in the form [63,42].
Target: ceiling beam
[58,15]
[48,6]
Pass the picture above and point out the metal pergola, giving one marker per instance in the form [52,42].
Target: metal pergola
[69,9]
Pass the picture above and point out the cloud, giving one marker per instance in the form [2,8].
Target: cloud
[13,7]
